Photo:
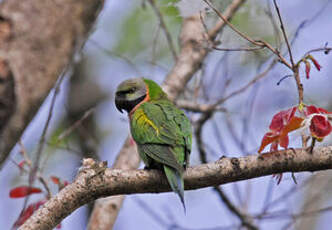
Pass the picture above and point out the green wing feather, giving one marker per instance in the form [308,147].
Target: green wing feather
[163,136]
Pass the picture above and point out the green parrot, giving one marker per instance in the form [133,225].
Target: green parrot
[161,131]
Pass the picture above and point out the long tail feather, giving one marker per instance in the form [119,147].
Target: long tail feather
[175,180]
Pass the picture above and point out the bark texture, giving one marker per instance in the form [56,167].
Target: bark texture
[37,41]
[95,180]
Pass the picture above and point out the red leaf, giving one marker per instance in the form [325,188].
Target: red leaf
[281,119]
[313,109]
[21,163]
[321,110]
[293,124]
[307,69]
[268,138]
[284,141]
[21,166]
[55,180]
[320,127]
[65,183]
[26,213]
[282,123]
[23,191]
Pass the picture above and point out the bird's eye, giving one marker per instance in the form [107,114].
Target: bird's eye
[132,90]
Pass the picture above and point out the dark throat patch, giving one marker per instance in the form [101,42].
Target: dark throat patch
[124,104]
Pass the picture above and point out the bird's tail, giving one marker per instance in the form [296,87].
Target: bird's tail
[175,180]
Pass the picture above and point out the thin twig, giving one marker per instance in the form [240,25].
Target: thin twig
[276,30]
[108,53]
[282,27]
[231,25]
[164,28]
[70,129]
[29,163]
[198,133]
[282,214]
[202,153]
[196,107]
[43,135]
[44,183]
[34,169]
[295,67]
[245,87]
[245,219]
[239,49]
[259,43]
[325,49]
[154,46]
[214,107]
[148,209]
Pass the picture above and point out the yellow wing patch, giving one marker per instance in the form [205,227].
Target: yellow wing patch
[143,120]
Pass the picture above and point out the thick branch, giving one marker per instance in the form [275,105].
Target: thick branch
[94,181]
[193,50]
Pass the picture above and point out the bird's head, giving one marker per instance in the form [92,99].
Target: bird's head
[130,93]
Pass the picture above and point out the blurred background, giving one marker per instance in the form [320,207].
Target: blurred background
[128,42]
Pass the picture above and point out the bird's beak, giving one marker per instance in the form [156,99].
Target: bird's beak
[118,103]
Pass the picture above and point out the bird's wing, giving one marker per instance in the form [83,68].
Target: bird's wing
[163,132]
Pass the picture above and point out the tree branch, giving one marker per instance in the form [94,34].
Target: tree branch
[95,181]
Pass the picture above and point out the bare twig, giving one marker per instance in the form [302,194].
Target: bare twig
[43,135]
[282,27]
[282,214]
[29,163]
[228,14]
[198,133]
[195,107]
[35,166]
[212,107]
[70,129]
[231,25]
[295,67]
[245,219]
[164,28]
[324,49]
[276,30]
[239,49]
[150,211]
[259,43]
[114,54]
